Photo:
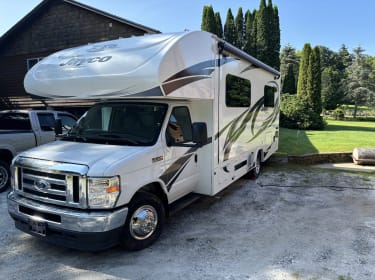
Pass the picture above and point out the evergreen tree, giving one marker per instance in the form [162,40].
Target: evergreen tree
[289,82]
[302,85]
[253,34]
[247,44]
[331,91]
[358,82]
[262,25]
[219,25]
[208,20]
[230,28]
[275,37]
[289,56]
[316,81]
[239,24]
[345,59]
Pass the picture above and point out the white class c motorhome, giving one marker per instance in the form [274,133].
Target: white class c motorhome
[181,114]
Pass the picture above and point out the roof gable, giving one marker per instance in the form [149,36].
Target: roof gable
[39,9]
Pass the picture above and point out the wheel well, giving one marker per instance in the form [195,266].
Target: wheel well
[6,156]
[157,190]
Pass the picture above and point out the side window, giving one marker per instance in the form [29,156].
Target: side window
[179,125]
[15,121]
[46,121]
[67,121]
[269,96]
[238,92]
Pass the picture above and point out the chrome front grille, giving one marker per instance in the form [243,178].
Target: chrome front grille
[51,182]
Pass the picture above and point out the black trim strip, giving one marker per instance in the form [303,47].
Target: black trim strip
[15,131]
[239,165]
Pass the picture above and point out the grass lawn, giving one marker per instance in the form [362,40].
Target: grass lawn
[338,136]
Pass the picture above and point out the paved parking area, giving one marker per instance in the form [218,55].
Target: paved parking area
[292,223]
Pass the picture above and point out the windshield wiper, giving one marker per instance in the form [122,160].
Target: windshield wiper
[74,137]
[118,138]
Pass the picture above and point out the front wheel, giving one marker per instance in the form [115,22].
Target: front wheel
[4,176]
[144,222]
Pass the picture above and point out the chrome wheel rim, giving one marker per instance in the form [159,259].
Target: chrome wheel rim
[143,222]
[3,177]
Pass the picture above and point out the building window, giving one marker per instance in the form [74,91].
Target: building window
[269,96]
[32,61]
[238,92]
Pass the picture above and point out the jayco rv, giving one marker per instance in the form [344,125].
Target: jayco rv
[180,114]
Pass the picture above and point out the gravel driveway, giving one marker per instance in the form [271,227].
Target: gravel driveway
[292,223]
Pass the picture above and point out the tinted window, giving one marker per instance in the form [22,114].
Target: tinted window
[179,125]
[269,96]
[46,121]
[15,121]
[238,92]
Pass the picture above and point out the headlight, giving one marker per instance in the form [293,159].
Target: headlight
[103,192]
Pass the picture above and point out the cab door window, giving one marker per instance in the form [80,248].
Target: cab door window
[46,121]
[179,125]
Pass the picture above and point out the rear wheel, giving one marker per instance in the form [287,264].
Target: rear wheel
[144,222]
[4,176]
[255,171]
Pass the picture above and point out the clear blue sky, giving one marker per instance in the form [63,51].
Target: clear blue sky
[330,23]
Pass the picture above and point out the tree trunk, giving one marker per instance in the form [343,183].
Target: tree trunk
[355,110]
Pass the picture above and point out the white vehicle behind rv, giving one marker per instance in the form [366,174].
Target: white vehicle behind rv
[181,114]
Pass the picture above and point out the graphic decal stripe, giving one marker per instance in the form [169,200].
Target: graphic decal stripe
[196,72]
[237,127]
[172,86]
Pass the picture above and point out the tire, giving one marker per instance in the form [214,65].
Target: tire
[4,176]
[255,171]
[134,237]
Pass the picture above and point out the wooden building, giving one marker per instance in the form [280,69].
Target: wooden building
[51,26]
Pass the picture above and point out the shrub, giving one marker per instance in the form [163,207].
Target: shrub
[338,114]
[297,114]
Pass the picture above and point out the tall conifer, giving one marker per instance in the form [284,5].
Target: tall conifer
[289,83]
[230,29]
[303,72]
[262,32]
[208,20]
[316,86]
[239,23]
[219,25]
[247,45]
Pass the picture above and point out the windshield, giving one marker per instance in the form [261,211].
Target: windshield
[122,123]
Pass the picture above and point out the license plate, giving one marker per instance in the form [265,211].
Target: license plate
[38,227]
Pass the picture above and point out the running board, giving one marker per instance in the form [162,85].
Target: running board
[183,202]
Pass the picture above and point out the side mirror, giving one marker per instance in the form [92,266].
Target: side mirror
[200,133]
[58,127]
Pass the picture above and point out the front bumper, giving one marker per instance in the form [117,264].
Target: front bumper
[80,229]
